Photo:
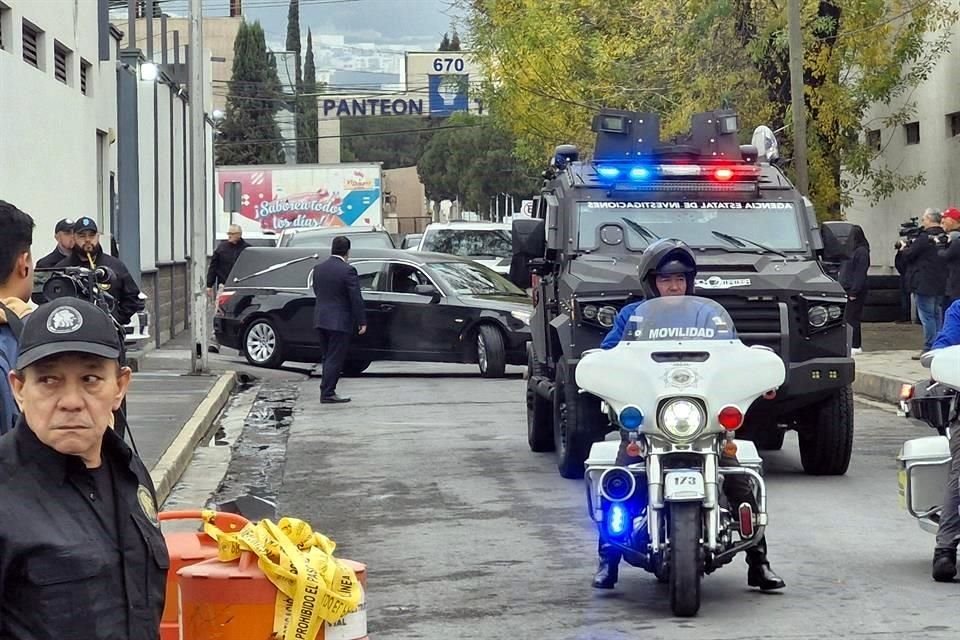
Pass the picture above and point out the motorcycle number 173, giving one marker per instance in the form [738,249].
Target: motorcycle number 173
[683,485]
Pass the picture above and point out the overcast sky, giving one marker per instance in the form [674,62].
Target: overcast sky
[415,24]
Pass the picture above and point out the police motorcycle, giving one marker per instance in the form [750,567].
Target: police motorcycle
[924,463]
[680,394]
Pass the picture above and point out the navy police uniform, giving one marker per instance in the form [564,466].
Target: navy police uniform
[81,552]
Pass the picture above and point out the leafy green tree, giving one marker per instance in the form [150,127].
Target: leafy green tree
[249,133]
[445,43]
[455,42]
[678,58]
[470,160]
[394,141]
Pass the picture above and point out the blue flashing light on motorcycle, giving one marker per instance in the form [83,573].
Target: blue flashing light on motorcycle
[631,418]
[618,520]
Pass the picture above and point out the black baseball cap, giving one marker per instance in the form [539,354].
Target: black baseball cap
[64,225]
[85,224]
[67,325]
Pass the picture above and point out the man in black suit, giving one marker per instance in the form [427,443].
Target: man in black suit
[338,314]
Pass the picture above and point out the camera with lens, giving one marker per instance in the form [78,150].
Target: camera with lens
[908,232]
[74,282]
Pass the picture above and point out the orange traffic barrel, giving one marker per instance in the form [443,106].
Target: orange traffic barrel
[186,548]
[235,601]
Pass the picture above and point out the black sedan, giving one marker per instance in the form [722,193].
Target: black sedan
[421,307]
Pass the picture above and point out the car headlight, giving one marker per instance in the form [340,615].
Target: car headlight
[834,311]
[681,419]
[589,312]
[606,316]
[522,316]
[817,316]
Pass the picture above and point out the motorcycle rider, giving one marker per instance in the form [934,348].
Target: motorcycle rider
[668,268]
[948,531]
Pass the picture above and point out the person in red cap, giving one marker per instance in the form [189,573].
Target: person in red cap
[950,252]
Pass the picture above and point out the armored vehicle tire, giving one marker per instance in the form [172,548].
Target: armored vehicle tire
[827,442]
[770,439]
[262,345]
[491,352]
[685,566]
[355,367]
[573,425]
[539,411]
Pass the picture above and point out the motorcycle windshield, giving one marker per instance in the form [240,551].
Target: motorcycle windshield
[674,318]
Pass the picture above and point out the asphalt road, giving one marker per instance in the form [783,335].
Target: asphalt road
[427,478]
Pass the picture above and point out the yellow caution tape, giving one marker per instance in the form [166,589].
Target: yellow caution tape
[312,585]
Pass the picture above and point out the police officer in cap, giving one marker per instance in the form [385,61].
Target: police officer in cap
[88,253]
[668,268]
[65,241]
[81,552]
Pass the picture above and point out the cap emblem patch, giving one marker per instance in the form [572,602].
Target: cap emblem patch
[64,320]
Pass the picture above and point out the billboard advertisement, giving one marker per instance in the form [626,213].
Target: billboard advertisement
[302,196]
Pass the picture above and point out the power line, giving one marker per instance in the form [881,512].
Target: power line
[350,135]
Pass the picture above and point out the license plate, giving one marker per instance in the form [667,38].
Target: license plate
[679,486]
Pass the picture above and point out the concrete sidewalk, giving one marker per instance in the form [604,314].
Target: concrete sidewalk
[170,410]
[886,362]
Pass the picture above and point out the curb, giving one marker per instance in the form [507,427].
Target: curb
[879,387]
[176,458]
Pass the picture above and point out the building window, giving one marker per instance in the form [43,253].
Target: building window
[913,132]
[84,77]
[62,59]
[32,45]
[953,124]
[5,39]
[873,139]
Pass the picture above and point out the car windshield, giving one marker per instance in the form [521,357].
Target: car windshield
[469,243]
[673,318]
[357,240]
[637,224]
[474,279]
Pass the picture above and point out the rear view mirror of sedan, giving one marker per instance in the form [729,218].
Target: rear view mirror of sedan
[428,290]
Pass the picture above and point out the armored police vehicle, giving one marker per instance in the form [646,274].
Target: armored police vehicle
[759,251]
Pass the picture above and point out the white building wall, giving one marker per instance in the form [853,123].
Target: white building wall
[937,156]
[48,130]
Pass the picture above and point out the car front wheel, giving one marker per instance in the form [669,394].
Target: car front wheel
[262,345]
[491,353]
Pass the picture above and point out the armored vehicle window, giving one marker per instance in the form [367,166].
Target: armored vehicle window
[773,224]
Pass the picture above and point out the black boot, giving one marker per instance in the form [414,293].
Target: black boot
[760,574]
[609,568]
[944,564]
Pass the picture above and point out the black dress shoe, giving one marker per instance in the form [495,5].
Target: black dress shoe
[334,399]
[606,576]
[763,576]
[944,565]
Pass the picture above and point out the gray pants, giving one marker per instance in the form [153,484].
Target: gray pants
[948,535]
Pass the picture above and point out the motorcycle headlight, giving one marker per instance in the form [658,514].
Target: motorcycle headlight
[681,419]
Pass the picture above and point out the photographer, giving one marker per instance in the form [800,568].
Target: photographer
[927,275]
[950,252]
[88,253]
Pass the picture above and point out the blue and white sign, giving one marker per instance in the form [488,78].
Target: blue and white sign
[448,93]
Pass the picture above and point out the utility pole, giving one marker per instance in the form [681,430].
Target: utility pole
[797,99]
[198,194]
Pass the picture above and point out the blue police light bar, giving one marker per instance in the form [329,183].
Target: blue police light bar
[613,172]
